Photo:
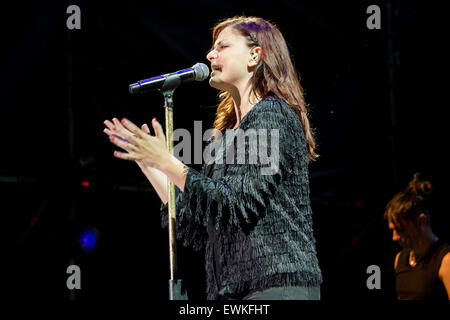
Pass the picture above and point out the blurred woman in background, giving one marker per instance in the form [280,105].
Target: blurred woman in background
[422,267]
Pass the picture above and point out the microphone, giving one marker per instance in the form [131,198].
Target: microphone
[197,72]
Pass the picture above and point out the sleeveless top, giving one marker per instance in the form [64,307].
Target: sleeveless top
[421,282]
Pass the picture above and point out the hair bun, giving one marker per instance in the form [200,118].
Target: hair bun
[420,186]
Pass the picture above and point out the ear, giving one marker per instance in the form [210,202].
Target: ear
[255,56]
[422,219]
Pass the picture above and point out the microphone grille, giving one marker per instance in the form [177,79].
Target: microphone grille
[201,71]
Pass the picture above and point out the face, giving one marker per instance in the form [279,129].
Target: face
[231,60]
[395,232]
[404,234]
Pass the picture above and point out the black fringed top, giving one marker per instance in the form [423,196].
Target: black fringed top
[255,217]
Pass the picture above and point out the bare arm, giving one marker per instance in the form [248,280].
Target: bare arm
[444,273]
[157,179]
[396,261]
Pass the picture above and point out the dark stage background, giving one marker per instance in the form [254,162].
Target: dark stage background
[376,101]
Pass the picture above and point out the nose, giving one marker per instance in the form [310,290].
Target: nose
[395,235]
[211,55]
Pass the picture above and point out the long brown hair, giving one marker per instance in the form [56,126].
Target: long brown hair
[409,203]
[274,73]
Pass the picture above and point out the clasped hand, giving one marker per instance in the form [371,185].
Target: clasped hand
[139,145]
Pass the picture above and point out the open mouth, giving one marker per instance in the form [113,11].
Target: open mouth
[216,67]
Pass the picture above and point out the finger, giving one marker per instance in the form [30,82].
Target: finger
[133,128]
[114,134]
[145,128]
[125,133]
[157,128]
[109,124]
[108,132]
[123,143]
[119,126]
[125,156]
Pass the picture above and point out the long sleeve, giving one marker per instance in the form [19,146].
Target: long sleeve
[250,208]
[187,229]
[241,196]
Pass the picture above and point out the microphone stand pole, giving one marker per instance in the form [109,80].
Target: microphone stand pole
[175,285]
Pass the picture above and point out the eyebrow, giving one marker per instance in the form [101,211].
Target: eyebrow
[219,42]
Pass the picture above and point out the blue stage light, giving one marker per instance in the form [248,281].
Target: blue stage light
[88,239]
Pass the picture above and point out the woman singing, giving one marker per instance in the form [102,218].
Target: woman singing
[253,217]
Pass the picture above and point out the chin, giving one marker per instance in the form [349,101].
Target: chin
[405,244]
[216,84]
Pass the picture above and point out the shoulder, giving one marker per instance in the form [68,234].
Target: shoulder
[441,251]
[273,112]
[446,259]
[444,254]
[276,105]
[444,269]
[401,259]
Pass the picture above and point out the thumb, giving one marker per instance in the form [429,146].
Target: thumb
[157,127]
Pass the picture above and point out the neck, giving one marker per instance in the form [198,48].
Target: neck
[243,99]
[423,243]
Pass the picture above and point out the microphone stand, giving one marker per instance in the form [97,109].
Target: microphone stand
[176,291]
